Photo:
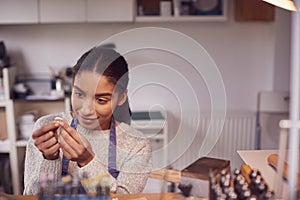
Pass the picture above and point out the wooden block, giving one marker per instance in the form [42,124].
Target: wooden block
[166,174]
[253,10]
[200,169]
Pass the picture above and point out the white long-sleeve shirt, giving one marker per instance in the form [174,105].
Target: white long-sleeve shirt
[133,158]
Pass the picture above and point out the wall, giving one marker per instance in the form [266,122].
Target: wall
[243,52]
[282,50]
[249,56]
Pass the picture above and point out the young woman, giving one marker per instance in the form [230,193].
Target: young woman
[95,137]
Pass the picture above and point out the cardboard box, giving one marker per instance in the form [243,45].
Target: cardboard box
[3,126]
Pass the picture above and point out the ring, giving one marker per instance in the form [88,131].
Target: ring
[58,119]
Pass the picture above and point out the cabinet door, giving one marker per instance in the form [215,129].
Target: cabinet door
[254,10]
[18,11]
[62,11]
[110,11]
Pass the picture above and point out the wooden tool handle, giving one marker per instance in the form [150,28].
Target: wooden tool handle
[246,170]
[166,174]
[273,161]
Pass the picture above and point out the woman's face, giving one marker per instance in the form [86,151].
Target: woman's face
[94,99]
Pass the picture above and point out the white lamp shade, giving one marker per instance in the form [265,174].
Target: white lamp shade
[285,4]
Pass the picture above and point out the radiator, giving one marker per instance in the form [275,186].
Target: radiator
[237,133]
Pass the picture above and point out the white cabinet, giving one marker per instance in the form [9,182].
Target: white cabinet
[154,126]
[62,11]
[110,11]
[78,11]
[65,11]
[18,11]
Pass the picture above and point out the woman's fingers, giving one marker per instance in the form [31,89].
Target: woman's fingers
[45,129]
[48,145]
[70,131]
[75,148]
[70,140]
[68,144]
[45,139]
[52,152]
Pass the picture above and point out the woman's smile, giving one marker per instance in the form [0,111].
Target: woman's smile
[88,120]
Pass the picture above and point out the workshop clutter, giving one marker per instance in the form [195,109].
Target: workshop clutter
[74,187]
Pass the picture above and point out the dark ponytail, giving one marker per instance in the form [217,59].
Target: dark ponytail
[109,63]
[123,113]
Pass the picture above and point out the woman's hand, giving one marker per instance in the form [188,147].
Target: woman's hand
[45,139]
[74,146]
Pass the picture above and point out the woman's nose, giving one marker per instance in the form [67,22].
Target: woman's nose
[88,107]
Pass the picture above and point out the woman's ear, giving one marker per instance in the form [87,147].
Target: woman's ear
[123,98]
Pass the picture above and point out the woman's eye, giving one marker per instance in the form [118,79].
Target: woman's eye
[102,101]
[78,94]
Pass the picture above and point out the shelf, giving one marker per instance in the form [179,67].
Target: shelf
[156,137]
[3,103]
[4,146]
[148,124]
[180,19]
[21,143]
[45,99]
[212,12]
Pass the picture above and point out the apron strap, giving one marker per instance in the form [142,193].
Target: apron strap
[112,151]
[65,166]
[65,161]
